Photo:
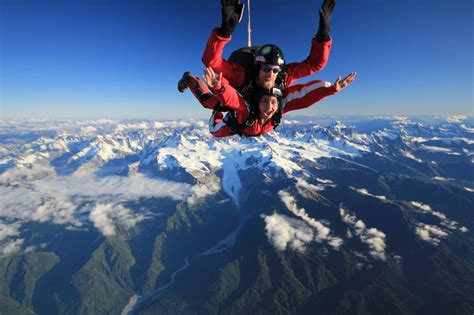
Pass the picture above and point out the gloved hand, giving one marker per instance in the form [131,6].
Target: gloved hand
[232,11]
[325,20]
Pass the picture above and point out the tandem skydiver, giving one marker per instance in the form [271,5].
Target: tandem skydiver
[267,70]
[267,67]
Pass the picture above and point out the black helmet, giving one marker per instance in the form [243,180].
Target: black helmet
[274,91]
[270,54]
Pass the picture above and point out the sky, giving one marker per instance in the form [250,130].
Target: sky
[120,59]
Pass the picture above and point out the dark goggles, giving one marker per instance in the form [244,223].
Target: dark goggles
[268,68]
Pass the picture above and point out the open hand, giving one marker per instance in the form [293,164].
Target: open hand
[212,80]
[342,84]
[232,11]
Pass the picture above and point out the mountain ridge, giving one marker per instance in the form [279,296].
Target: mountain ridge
[143,217]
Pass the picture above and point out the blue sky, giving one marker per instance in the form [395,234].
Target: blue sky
[122,59]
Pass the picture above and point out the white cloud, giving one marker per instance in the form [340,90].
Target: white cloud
[422,206]
[364,191]
[203,189]
[323,233]
[38,194]
[371,236]
[106,216]
[302,184]
[10,247]
[324,181]
[58,211]
[450,224]
[7,230]
[88,130]
[430,233]
[283,231]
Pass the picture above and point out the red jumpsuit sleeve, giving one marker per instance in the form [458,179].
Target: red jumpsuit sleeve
[230,97]
[317,59]
[305,95]
[212,57]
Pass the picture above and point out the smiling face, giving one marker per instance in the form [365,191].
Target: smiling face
[268,105]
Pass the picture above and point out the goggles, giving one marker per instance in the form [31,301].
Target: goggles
[268,68]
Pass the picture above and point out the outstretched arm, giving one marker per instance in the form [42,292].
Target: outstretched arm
[305,95]
[232,11]
[212,57]
[320,47]
[325,13]
[221,88]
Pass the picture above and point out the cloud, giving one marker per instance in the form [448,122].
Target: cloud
[98,126]
[450,224]
[323,233]
[422,206]
[48,126]
[58,211]
[324,181]
[302,184]
[371,236]
[10,247]
[38,194]
[364,191]
[430,233]
[106,216]
[283,231]
[88,130]
[203,189]
[8,230]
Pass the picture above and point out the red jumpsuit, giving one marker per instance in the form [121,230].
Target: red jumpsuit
[235,73]
[296,97]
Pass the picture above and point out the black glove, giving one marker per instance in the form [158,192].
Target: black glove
[325,20]
[232,11]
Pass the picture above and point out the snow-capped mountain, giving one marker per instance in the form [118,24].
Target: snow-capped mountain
[348,215]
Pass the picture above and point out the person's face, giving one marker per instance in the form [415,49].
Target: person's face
[268,105]
[267,75]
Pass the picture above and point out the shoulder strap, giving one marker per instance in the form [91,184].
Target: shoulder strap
[276,119]
[231,121]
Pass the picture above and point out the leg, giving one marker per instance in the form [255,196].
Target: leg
[217,127]
[199,89]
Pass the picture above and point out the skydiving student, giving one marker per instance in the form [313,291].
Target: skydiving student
[268,67]
[247,120]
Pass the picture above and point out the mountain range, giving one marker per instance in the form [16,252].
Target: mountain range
[325,215]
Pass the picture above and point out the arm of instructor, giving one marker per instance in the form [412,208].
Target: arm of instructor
[212,57]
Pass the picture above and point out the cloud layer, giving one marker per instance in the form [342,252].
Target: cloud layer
[38,194]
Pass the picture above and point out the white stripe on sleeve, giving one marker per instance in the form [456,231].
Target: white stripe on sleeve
[305,90]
